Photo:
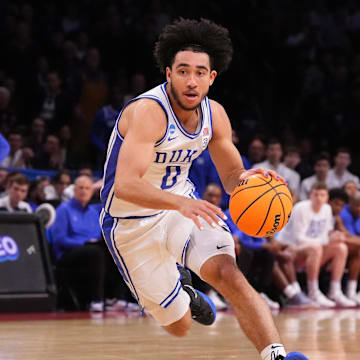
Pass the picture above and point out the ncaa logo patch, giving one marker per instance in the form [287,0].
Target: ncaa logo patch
[172,129]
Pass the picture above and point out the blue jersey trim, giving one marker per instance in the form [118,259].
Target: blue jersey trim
[171,297]
[152,97]
[137,217]
[210,115]
[177,122]
[183,255]
[108,233]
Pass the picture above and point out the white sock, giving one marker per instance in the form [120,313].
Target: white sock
[296,286]
[313,286]
[351,288]
[335,287]
[290,291]
[273,351]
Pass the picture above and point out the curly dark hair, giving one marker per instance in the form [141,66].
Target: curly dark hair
[198,36]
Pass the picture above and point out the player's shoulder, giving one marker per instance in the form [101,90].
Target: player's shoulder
[146,105]
[301,205]
[216,108]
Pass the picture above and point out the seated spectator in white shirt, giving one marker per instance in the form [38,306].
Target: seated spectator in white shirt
[273,161]
[17,190]
[316,244]
[340,174]
[321,169]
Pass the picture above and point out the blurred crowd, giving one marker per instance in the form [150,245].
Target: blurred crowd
[68,68]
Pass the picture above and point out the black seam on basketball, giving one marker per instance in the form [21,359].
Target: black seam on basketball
[282,205]
[237,220]
[253,186]
[267,214]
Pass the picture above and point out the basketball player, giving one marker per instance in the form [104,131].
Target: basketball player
[151,218]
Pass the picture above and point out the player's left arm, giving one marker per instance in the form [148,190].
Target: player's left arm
[225,155]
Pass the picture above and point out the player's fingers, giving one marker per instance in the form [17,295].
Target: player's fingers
[276,176]
[209,217]
[195,219]
[216,210]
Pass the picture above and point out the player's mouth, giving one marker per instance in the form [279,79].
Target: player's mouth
[191,95]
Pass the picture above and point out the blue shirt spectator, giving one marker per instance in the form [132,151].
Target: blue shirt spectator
[4,148]
[203,173]
[74,226]
[351,222]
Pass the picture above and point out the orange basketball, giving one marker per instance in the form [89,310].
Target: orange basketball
[260,206]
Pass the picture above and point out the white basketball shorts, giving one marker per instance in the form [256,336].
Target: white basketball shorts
[146,251]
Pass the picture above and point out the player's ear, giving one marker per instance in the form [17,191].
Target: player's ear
[168,73]
[213,74]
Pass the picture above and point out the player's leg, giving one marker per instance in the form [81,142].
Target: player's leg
[149,270]
[211,256]
[336,254]
[354,272]
[250,309]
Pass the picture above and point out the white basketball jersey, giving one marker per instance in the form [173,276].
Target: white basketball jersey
[171,160]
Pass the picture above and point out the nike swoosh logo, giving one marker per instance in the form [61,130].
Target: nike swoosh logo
[171,138]
[222,246]
[275,346]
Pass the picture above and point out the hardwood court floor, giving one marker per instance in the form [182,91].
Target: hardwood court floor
[320,334]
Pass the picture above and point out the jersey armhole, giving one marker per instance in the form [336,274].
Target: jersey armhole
[138,98]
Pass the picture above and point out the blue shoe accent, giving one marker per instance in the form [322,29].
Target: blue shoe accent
[209,301]
[294,355]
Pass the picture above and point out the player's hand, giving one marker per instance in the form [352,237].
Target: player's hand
[193,209]
[264,172]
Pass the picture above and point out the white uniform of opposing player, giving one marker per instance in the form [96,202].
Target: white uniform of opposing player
[147,243]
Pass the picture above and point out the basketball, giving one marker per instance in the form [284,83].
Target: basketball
[260,206]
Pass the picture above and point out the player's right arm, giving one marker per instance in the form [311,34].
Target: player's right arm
[142,124]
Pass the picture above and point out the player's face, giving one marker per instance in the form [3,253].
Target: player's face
[189,78]
[319,197]
[336,205]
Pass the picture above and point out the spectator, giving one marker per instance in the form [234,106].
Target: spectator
[273,161]
[105,119]
[3,178]
[55,107]
[256,152]
[321,169]
[17,191]
[7,117]
[16,158]
[351,188]
[316,244]
[36,138]
[37,192]
[339,174]
[77,243]
[350,215]
[4,148]
[51,157]
[337,200]
[292,157]
[55,190]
